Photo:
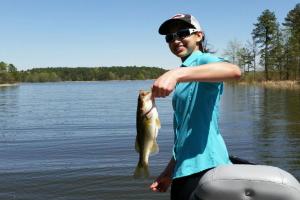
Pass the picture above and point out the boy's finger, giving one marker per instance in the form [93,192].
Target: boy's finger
[154,185]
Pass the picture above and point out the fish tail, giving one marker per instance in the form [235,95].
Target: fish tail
[141,170]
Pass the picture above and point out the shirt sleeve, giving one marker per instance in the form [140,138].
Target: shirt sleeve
[209,58]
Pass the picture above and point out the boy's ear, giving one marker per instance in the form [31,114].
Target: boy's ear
[199,36]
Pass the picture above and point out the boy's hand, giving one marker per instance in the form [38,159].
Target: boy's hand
[165,84]
[161,184]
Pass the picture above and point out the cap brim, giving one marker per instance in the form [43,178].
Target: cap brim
[164,27]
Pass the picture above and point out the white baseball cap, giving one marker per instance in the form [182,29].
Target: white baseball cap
[186,19]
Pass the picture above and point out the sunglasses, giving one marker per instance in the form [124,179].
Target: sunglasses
[179,34]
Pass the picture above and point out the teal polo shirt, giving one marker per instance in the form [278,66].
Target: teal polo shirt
[198,144]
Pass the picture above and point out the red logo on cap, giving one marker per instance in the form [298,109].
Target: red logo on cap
[178,16]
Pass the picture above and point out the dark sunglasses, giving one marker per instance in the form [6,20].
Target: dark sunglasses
[179,34]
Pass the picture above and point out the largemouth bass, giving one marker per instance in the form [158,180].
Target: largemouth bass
[147,125]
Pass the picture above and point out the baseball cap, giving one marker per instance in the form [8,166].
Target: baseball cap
[186,19]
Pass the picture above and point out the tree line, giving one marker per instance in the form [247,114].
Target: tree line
[274,47]
[9,73]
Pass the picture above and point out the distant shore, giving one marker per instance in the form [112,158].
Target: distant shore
[266,84]
[274,84]
[8,84]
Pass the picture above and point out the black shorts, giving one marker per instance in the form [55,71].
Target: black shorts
[182,188]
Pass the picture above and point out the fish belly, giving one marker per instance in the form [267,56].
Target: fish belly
[145,145]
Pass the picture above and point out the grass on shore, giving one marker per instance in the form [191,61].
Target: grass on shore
[274,84]
[258,79]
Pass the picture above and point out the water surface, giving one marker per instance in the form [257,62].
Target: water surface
[75,140]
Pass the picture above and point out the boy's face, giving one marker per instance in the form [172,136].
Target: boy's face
[183,47]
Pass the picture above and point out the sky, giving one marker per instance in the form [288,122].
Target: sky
[93,33]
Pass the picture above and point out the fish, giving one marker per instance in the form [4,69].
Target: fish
[147,126]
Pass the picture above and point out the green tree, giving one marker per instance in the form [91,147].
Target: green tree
[11,68]
[140,76]
[277,54]
[292,48]
[264,34]
[90,74]
[112,76]
[3,67]
[245,59]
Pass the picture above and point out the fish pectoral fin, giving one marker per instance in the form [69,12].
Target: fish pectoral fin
[154,148]
[157,121]
[137,147]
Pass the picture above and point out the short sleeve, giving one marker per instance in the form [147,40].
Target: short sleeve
[209,58]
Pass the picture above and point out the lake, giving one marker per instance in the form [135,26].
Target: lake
[75,140]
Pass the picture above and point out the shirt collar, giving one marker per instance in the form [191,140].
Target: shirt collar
[190,60]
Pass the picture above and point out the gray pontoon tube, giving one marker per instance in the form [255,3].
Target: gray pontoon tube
[247,182]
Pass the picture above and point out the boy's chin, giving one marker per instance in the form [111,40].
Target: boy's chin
[182,54]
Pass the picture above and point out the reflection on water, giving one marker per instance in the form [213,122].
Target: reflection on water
[280,128]
[76,140]
[267,124]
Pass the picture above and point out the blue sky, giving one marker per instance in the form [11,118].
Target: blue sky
[89,33]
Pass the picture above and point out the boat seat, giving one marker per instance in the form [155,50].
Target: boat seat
[247,182]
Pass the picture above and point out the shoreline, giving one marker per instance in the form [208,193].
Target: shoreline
[8,84]
[273,84]
[266,84]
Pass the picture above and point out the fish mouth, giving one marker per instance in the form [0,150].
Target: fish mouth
[144,92]
[145,95]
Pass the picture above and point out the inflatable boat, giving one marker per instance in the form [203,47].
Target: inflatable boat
[247,181]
